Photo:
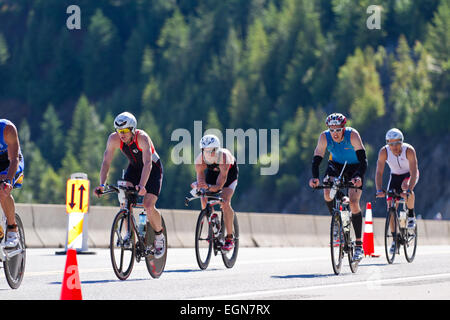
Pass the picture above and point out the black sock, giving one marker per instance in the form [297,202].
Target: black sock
[411,213]
[159,232]
[357,224]
[330,205]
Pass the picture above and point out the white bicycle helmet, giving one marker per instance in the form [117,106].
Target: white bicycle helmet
[394,134]
[209,141]
[336,119]
[125,120]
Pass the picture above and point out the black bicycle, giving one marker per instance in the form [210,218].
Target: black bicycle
[127,244]
[396,232]
[210,232]
[341,240]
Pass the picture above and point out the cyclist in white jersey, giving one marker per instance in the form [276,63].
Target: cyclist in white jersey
[402,160]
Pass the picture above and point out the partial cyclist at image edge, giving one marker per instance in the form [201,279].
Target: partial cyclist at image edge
[144,171]
[217,170]
[11,176]
[346,148]
[404,173]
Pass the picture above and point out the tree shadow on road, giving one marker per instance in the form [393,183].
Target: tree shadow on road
[303,276]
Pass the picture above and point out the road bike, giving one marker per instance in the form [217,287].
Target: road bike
[127,242]
[396,233]
[13,258]
[341,240]
[210,231]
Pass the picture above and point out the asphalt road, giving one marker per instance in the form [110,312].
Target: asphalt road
[260,273]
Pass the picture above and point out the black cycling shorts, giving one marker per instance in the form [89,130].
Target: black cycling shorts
[334,170]
[232,176]
[154,182]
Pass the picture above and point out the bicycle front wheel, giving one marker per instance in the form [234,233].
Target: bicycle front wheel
[391,237]
[15,265]
[155,266]
[229,257]
[122,245]
[336,243]
[410,244]
[203,240]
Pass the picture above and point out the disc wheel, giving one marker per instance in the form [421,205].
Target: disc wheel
[15,265]
[155,266]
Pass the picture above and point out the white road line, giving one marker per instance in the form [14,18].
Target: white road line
[338,285]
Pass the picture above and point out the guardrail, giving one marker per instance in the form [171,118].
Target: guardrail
[46,227]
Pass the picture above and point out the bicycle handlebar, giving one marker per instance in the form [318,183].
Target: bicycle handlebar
[115,189]
[340,186]
[394,193]
[201,193]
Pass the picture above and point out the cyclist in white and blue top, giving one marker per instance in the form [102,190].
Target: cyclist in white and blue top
[11,176]
[345,146]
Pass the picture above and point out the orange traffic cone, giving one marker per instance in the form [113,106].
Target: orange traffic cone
[71,285]
[368,243]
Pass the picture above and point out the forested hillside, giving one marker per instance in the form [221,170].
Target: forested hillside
[261,64]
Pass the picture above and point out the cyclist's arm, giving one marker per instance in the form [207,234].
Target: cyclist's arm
[319,153]
[12,140]
[413,167]
[200,167]
[112,144]
[381,162]
[357,143]
[145,143]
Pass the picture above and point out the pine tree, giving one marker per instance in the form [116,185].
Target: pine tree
[101,56]
[51,140]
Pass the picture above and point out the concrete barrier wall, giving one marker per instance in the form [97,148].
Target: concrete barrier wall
[46,226]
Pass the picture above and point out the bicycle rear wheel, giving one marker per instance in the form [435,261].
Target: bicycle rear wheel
[203,240]
[410,244]
[155,266]
[122,245]
[229,257]
[15,265]
[391,238]
[336,242]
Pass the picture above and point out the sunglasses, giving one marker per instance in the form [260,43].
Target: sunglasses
[395,143]
[126,130]
[336,130]
[210,151]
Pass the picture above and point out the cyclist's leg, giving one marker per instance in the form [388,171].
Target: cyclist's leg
[153,188]
[355,196]
[411,197]
[331,172]
[227,194]
[355,208]
[228,212]
[7,200]
[210,178]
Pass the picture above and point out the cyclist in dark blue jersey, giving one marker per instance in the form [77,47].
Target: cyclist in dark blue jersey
[145,170]
[11,176]
[345,146]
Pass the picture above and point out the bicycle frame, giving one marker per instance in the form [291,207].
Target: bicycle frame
[128,199]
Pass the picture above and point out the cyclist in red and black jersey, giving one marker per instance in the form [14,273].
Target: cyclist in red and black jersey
[145,170]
